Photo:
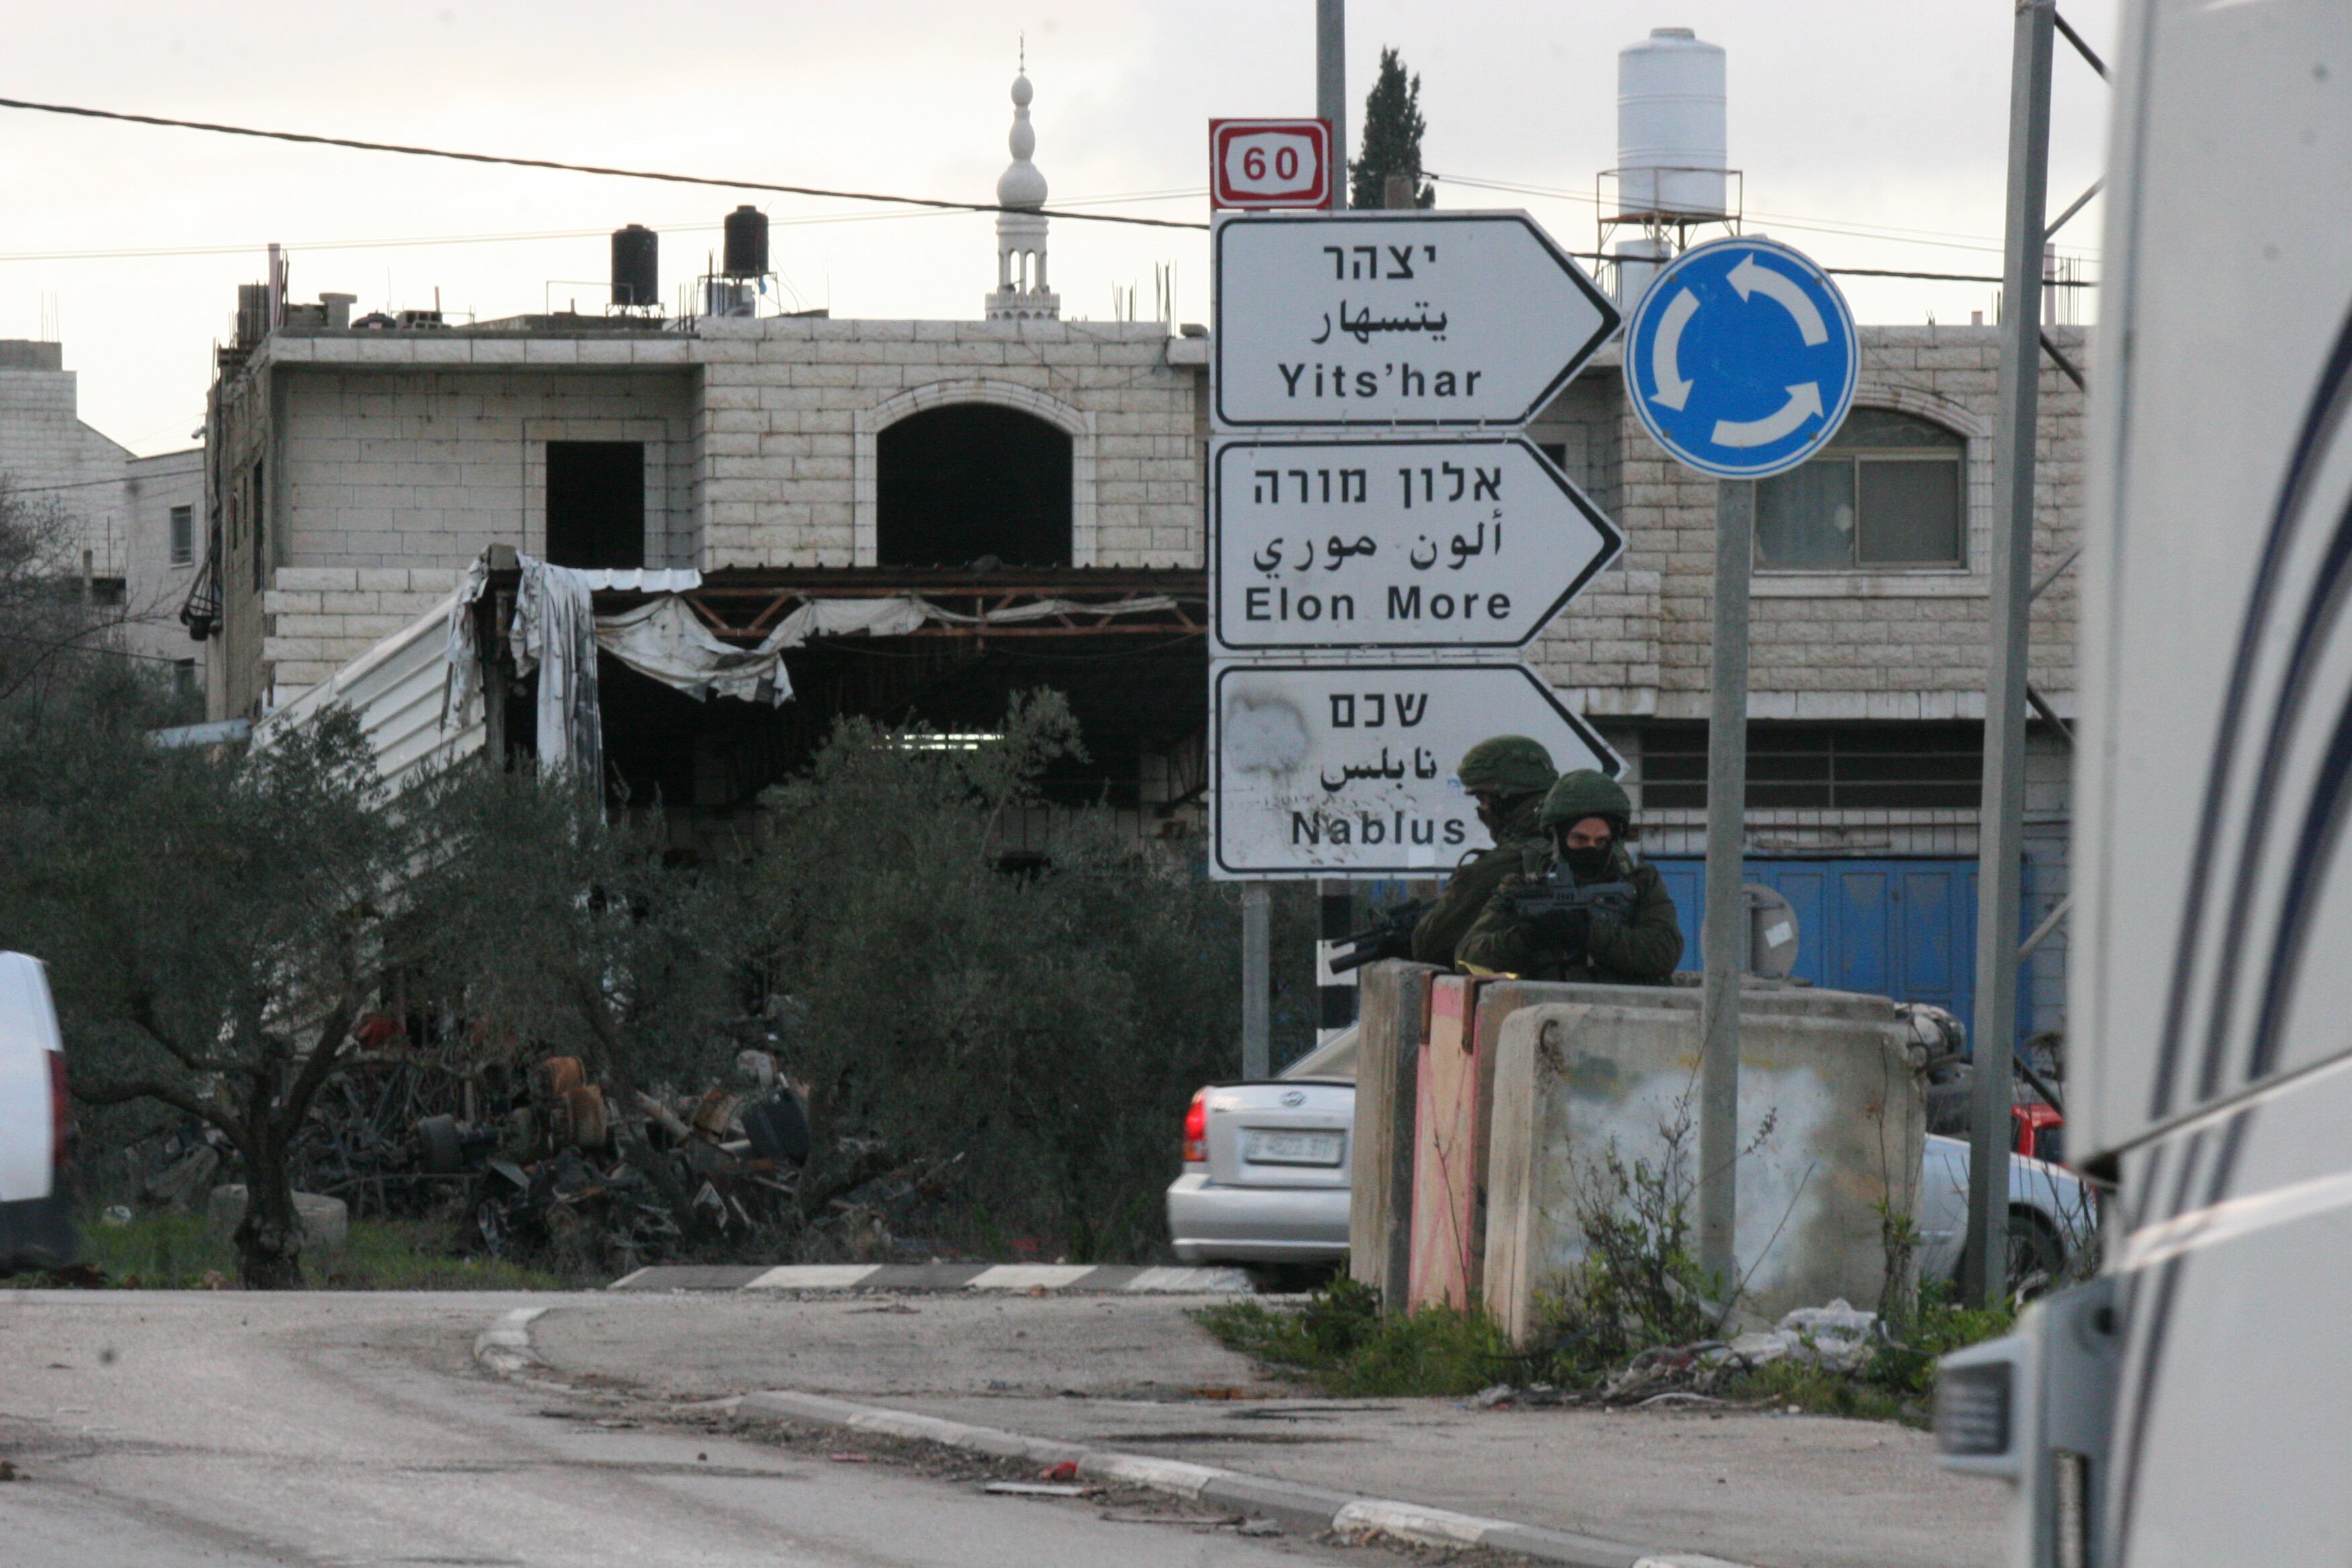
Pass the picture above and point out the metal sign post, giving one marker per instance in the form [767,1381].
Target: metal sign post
[2000,821]
[1740,361]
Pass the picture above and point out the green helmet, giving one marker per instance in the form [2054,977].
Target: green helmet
[1586,793]
[1507,765]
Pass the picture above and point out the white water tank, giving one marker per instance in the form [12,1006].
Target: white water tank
[1670,128]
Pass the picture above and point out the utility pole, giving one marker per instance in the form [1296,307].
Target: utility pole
[2000,821]
[1257,978]
[1331,89]
[1724,932]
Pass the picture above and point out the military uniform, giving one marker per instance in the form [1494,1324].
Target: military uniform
[1440,930]
[1643,951]
[1516,774]
[1596,946]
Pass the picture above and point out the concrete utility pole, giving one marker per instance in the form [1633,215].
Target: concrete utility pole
[1257,977]
[1331,89]
[1724,932]
[2000,821]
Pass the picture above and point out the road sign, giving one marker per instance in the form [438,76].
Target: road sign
[1266,164]
[1440,542]
[1348,770]
[1386,319]
[1741,358]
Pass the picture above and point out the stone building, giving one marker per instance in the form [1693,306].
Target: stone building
[1056,469]
[130,520]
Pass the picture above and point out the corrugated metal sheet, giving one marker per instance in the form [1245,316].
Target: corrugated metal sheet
[395,688]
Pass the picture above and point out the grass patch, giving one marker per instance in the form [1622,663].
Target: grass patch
[165,1251]
[1338,1343]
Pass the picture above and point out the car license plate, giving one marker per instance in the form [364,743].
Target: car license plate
[1261,1147]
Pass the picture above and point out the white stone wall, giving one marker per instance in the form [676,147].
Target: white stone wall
[49,457]
[322,617]
[154,584]
[1849,645]
[410,467]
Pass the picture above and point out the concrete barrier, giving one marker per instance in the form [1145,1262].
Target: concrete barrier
[1393,1016]
[326,1222]
[1831,1130]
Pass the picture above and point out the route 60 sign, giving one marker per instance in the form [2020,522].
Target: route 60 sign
[1266,164]
[1741,358]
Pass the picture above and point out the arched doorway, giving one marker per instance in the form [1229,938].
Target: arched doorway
[966,481]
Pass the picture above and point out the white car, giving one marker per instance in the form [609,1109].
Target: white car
[36,1228]
[1265,1180]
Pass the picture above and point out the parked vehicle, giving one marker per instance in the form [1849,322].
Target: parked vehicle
[2038,1131]
[2188,1406]
[36,1229]
[1266,1164]
[1265,1180]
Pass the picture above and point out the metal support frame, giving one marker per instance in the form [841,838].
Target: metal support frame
[1331,89]
[2001,829]
[1724,932]
[1257,978]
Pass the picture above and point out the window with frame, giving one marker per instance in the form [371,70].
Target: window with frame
[184,535]
[1887,493]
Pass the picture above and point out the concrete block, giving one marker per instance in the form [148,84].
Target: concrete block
[1832,1125]
[326,1222]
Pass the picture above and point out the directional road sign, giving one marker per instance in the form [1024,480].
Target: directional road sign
[1269,163]
[1396,319]
[1348,770]
[1440,542]
[1742,358]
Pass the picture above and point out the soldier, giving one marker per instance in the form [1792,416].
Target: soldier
[1627,935]
[1507,775]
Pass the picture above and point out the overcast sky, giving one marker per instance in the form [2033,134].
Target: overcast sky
[1846,117]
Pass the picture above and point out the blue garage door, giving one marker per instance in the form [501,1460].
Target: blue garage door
[1902,928]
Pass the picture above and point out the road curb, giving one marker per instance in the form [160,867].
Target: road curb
[505,1347]
[1297,1506]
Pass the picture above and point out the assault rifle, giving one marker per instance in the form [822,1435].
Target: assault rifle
[1388,936]
[1567,909]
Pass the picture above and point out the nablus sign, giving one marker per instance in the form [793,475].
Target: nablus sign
[1348,770]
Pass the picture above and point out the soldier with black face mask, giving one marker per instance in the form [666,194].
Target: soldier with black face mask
[1580,908]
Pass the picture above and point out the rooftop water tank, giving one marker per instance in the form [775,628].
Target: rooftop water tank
[747,243]
[637,265]
[1670,128]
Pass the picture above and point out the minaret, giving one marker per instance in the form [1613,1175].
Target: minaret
[1020,292]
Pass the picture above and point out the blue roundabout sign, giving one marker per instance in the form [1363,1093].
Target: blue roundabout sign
[1741,358]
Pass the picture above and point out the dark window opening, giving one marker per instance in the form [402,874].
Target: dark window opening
[1892,766]
[1557,451]
[260,531]
[971,481]
[597,504]
[110,592]
[184,535]
[1885,492]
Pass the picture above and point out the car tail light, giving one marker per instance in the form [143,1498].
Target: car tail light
[1196,1129]
[61,1112]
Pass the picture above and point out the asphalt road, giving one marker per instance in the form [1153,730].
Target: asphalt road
[171,1430]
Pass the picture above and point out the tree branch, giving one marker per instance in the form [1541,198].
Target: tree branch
[151,1089]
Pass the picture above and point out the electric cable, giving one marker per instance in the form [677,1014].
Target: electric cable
[411,151]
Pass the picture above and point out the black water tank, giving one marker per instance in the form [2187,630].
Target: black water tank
[637,265]
[747,243]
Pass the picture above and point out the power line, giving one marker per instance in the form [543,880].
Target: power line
[407,150]
[301,246]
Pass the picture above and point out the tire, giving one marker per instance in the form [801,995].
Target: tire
[2036,1255]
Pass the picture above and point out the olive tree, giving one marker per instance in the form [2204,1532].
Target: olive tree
[214,920]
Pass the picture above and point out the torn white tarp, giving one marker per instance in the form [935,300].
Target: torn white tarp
[665,639]
[555,633]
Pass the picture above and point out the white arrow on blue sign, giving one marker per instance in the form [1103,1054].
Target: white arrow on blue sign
[1742,358]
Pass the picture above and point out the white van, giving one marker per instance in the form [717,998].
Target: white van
[2189,1406]
[36,1228]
